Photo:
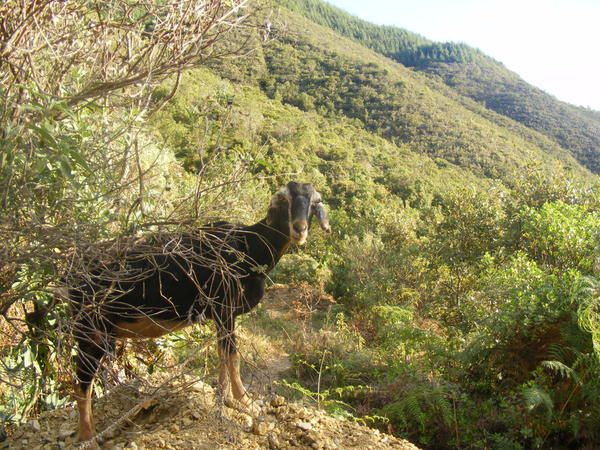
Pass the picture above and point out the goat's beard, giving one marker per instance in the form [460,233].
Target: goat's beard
[298,238]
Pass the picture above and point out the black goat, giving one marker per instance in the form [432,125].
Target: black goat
[217,273]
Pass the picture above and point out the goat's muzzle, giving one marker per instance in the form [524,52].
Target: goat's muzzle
[299,231]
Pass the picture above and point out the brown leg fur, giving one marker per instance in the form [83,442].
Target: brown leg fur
[239,391]
[242,398]
[86,420]
[224,385]
[92,348]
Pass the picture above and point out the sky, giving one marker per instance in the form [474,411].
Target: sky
[552,44]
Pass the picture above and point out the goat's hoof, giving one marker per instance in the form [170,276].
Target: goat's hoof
[254,410]
[249,406]
[245,405]
[88,444]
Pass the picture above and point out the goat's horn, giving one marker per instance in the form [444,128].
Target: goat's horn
[321,215]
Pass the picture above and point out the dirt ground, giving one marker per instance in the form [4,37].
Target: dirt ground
[183,414]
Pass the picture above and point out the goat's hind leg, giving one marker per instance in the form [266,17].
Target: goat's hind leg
[240,393]
[93,345]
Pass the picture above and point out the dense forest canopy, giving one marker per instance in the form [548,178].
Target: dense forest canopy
[464,257]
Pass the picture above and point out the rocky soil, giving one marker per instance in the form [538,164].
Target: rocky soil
[183,414]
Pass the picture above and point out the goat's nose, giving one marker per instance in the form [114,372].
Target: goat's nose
[300,227]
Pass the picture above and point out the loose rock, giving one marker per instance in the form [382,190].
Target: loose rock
[35,425]
[259,427]
[304,426]
[65,431]
[277,401]
[274,442]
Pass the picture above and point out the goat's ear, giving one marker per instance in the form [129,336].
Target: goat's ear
[321,215]
[278,201]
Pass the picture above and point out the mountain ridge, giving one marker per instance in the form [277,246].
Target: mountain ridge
[399,103]
[473,74]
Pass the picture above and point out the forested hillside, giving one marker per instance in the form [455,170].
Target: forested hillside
[472,74]
[461,274]
[312,68]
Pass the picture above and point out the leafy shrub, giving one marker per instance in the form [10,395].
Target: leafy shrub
[560,235]
[297,268]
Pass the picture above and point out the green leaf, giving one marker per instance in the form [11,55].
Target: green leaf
[65,166]
[80,160]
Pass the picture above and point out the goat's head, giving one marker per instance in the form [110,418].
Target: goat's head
[296,204]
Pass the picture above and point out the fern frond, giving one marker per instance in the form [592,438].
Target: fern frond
[561,369]
[587,297]
[443,404]
[535,397]
[560,352]
[412,409]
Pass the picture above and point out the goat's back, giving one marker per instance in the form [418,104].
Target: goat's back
[175,277]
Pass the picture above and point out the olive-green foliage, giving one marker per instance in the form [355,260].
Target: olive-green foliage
[503,91]
[297,268]
[472,74]
[395,105]
[384,39]
[560,235]
[409,48]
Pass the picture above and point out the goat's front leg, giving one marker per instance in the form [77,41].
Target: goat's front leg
[224,387]
[230,381]
[239,391]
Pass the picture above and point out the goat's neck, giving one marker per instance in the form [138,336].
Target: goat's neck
[268,243]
